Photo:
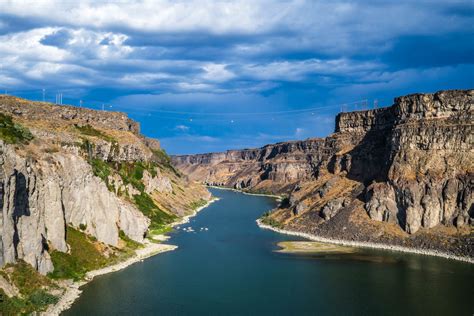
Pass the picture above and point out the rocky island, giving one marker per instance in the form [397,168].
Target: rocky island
[80,190]
[399,177]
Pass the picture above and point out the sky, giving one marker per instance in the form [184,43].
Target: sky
[205,76]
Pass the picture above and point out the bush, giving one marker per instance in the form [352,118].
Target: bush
[42,298]
[130,244]
[164,160]
[13,133]
[84,257]
[270,221]
[157,216]
[31,285]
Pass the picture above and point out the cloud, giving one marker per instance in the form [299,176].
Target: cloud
[147,56]
[182,128]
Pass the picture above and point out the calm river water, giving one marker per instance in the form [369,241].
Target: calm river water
[232,269]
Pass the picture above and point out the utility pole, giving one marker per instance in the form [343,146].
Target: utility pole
[59,98]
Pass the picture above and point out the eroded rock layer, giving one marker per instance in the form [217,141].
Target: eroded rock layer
[87,169]
[400,175]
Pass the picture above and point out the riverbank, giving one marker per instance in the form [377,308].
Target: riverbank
[366,244]
[72,289]
[185,219]
[278,197]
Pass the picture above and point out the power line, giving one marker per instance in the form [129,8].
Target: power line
[231,117]
[260,113]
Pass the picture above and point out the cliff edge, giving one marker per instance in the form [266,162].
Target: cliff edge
[79,189]
[401,175]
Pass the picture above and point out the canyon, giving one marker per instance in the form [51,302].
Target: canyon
[74,180]
[400,175]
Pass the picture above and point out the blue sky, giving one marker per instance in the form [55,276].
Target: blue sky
[209,76]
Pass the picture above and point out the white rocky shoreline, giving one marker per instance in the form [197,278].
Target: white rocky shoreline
[370,245]
[245,192]
[350,243]
[73,291]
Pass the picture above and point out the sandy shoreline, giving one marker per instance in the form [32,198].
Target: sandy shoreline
[366,244]
[73,290]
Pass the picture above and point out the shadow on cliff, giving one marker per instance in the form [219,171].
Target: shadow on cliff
[370,159]
[21,206]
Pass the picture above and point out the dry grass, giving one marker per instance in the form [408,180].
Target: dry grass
[313,247]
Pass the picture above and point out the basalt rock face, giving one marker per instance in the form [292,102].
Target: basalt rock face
[408,167]
[64,177]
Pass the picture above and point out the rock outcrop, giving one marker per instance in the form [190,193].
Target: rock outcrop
[83,169]
[408,166]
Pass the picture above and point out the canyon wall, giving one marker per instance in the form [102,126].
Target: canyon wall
[408,167]
[65,166]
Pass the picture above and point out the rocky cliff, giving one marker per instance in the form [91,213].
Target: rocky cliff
[397,175]
[63,166]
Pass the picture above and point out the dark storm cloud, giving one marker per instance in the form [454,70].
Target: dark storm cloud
[431,51]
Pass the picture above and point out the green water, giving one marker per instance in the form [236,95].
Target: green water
[232,269]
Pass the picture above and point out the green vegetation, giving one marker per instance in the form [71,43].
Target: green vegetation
[161,230]
[197,204]
[266,219]
[164,160]
[130,244]
[270,221]
[13,305]
[88,130]
[131,173]
[100,168]
[158,217]
[32,287]
[13,133]
[84,257]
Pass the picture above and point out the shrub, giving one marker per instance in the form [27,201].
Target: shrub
[164,160]
[84,257]
[13,133]
[157,216]
[42,298]
[31,285]
[130,244]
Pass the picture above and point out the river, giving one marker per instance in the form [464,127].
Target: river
[232,269]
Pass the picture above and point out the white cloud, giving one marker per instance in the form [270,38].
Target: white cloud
[182,128]
[217,72]
[299,131]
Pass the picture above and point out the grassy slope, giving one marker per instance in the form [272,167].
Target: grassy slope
[34,289]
